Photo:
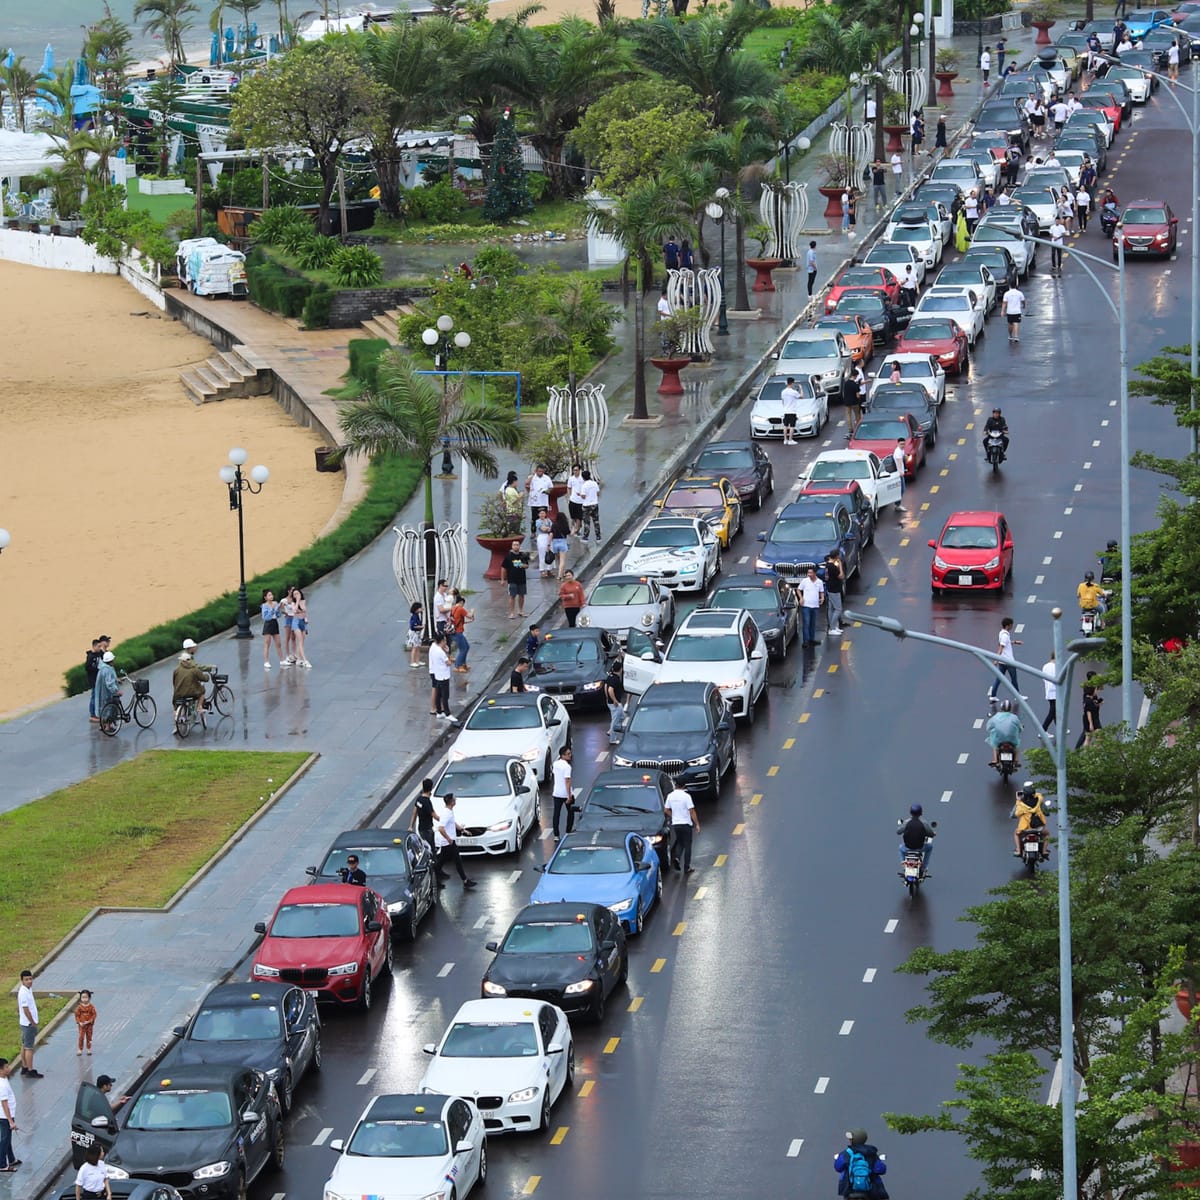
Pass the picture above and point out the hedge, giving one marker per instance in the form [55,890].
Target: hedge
[273,288]
[316,308]
[365,354]
[390,483]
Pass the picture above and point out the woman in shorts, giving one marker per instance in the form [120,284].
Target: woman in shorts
[286,609]
[412,640]
[299,626]
[270,628]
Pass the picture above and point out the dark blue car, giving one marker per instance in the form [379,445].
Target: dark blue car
[804,533]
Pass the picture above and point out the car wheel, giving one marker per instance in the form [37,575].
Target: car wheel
[518,838]
[364,999]
[623,977]
[316,1058]
[277,1148]
[544,1116]
[241,1186]
[483,1163]
[285,1093]
[410,934]
[389,961]
[547,767]
[771,483]
[639,920]
[597,1015]
[748,717]
[731,767]
[658,886]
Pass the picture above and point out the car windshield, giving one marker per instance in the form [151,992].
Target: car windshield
[736,457]
[868,305]
[570,651]
[590,860]
[811,348]
[249,1023]
[773,388]
[994,233]
[910,233]
[315,921]
[880,430]
[694,497]
[755,599]
[888,254]
[1032,196]
[625,797]
[548,937]
[398,1139]
[841,324]
[937,330]
[920,369]
[654,537]
[465,779]
[372,860]
[943,304]
[808,529]
[721,647]
[905,397]
[490,1039]
[855,468]
[621,593]
[496,715]
[969,537]
[952,172]
[192,1108]
[1144,216]
[669,718]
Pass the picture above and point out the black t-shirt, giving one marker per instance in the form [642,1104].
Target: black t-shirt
[515,566]
[91,666]
[355,875]
[833,577]
[915,833]
[999,424]
[424,810]
[516,682]
[851,391]
[613,680]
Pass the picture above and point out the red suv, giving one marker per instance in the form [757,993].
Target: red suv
[974,550]
[333,939]
[1148,227]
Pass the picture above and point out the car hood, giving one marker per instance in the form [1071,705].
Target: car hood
[473,1077]
[701,672]
[392,888]
[568,673]
[262,1055]
[704,512]
[773,406]
[660,556]
[473,811]
[617,616]
[476,743]
[659,746]
[821,365]
[926,345]
[645,823]
[743,480]
[965,557]
[138,1150]
[309,952]
[592,889]
[539,970]
[398,1178]
[797,551]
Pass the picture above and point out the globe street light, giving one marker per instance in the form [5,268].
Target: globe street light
[715,208]
[440,342]
[238,483]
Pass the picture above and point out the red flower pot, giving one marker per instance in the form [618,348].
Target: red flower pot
[894,144]
[498,548]
[1043,28]
[944,78]
[670,368]
[833,201]
[763,268]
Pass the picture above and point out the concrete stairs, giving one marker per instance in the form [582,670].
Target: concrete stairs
[384,324]
[239,371]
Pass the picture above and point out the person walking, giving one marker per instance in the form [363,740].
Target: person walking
[812,596]
[460,616]
[852,399]
[671,254]
[917,132]
[85,1021]
[591,506]
[575,498]
[1014,309]
[1001,54]
[687,257]
[1091,710]
[878,185]
[91,668]
[560,544]
[439,678]
[614,697]
[562,792]
[897,164]
[909,286]
[834,586]
[940,133]
[443,602]
[514,570]
[445,837]
[270,628]
[27,1016]
[1005,658]
[570,592]
[423,817]
[300,627]
[1083,206]
[846,211]
[1173,60]
[8,1119]
[985,64]
[538,486]
[416,627]
[545,531]
[681,810]
[810,265]
[1051,689]
[1058,239]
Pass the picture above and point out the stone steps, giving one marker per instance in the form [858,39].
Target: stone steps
[238,371]
[383,325]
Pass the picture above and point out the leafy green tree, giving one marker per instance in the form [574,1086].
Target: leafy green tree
[508,189]
[696,183]
[108,59]
[1167,380]
[20,85]
[318,96]
[169,20]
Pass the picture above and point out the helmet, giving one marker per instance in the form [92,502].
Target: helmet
[856,1137]
[188,644]
[1112,544]
[996,408]
[916,811]
[1089,577]
[1027,786]
[1006,706]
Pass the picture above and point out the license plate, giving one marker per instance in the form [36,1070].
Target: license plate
[567,697]
[964,581]
[1006,757]
[487,1112]
[910,871]
[313,991]
[1032,847]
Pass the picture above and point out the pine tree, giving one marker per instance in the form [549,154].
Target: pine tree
[508,193]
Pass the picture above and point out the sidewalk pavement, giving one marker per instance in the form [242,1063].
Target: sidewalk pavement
[360,707]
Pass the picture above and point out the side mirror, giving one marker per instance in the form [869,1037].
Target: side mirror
[310,870]
[756,656]
[374,926]
[492,946]
[250,1116]
[647,656]
[1008,544]
[101,1123]
[429,1048]
[554,1048]
[607,947]
[932,544]
[261,927]
[337,1144]
[464,1147]
[553,722]
[627,543]
[179,1031]
[643,866]
[762,537]
[723,725]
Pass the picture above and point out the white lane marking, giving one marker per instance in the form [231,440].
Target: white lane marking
[779,510]
[1019,628]
[1031,599]
[547,834]
[601,756]
[869,975]
[845,1029]
[482,921]
[793,1150]
[1087,466]
[822,1084]
[514,877]
[701,892]
[1096,442]
[1047,560]
[1068,511]
[279,1196]
[1057,534]
[1112,404]
[367,1076]
[962,758]
[321,1137]
[1039,579]
[446,969]
[1104,423]
[946,796]
[1079,487]
[744,559]
[977,723]
[393,818]
[890,927]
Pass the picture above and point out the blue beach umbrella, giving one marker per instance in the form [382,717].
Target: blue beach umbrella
[228,43]
[81,72]
[48,62]
[9,59]
[214,51]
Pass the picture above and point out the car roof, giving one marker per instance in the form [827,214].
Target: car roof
[397,1107]
[807,503]
[677,691]
[610,838]
[561,911]
[238,995]
[744,444]
[322,893]
[484,761]
[972,516]
[509,699]
[626,576]
[580,633]
[673,522]
[623,775]
[498,1008]
[766,582]
[708,622]
[844,455]
[176,1078]
[837,487]
[364,838]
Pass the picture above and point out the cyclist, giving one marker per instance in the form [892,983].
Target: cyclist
[187,683]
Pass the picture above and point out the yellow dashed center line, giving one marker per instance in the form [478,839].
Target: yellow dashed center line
[636,1003]
[802,719]
[722,859]
[560,1135]
[678,930]
[944,471]
[952,456]
[701,892]
[904,541]
[892,562]
[818,693]
[739,829]
[882,581]
[925,506]
[659,963]
[963,441]
[772,772]
[969,425]
[833,668]
[933,488]
[870,601]
[789,743]
[585,1088]
[611,1045]
[755,799]
[531,1185]
[846,645]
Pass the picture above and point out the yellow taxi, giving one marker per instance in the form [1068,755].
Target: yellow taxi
[711,498]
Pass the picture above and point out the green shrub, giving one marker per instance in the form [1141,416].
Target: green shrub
[315,251]
[365,354]
[441,203]
[315,313]
[273,225]
[390,483]
[538,185]
[813,92]
[356,266]
[272,288]
[293,238]
[455,233]
[498,261]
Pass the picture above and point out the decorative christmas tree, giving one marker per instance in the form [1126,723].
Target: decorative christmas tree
[508,193]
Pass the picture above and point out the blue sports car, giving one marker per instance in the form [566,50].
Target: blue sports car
[607,867]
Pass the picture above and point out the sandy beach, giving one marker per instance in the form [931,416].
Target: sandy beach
[110,487]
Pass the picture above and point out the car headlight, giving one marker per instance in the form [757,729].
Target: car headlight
[398,906]
[619,761]
[761,564]
[532,754]
[524,1095]
[940,563]
[647,620]
[266,972]
[213,1170]
[432,1196]
[493,989]
[621,906]
[731,685]
[703,761]
[654,838]
[583,621]
[690,569]
[500,827]
[1160,237]
[115,1172]
[345,969]
[992,563]
[575,989]
[594,686]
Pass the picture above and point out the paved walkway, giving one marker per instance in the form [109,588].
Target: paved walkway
[360,707]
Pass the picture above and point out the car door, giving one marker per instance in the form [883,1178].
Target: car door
[525,790]
[608,949]
[420,870]
[763,469]
[722,723]
[756,649]
[1006,544]
[376,950]
[548,1032]
[464,1165]
[556,723]
[666,608]
[849,543]
[866,517]
[92,1121]
[641,661]
[734,504]
[889,487]
[298,1030]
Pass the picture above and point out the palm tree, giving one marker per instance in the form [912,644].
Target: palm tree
[696,182]
[168,19]
[650,211]
[20,85]
[408,414]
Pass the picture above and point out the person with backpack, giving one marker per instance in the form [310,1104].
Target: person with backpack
[861,1168]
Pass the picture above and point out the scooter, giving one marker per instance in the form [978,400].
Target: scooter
[1006,760]
[1091,620]
[1031,847]
[1108,221]
[993,448]
[912,871]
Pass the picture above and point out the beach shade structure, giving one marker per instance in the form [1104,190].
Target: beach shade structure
[214,51]
[48,62]
[273,45]
[229,43]
[81,71]
[85,100]
[10,59]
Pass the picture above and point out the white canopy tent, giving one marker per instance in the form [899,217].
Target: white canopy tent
[24,154]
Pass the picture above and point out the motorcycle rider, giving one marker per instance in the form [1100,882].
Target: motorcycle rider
[916,835]
[1030,815]
[849,1166]
[997,424]
[1091,596]
[1107,571]
[1004,726]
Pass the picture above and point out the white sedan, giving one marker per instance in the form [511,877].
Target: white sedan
[896,256]
[924,238]
[966,305]
[530,726]
[682,553]
[511,1058]
[914,368]
[766,413]
[411,1148]
[495,802]
[1040,201]
[878,481]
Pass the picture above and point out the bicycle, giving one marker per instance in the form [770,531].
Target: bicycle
[221,696]
[220,699]
[141,709]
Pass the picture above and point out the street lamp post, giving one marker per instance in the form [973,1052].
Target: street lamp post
[1056,746]
[716,210]
[231,475]
[440,342]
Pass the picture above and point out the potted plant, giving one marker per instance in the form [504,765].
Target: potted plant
[762,265]
[499,527]
[1042,15]
[895,121]
[674,332]
[946,69]
[839,172]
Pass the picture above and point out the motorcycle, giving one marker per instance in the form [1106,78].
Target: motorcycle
[1108,221]
[912,871]
[1034,841]
[993,448]
[1006,760]
[1090,621]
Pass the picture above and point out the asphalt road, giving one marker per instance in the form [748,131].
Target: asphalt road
[763,1014]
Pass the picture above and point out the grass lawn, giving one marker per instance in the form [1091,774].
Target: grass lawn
[159,207]
[130,836]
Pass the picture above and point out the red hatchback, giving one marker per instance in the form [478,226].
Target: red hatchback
[879,278]
[332,939]
[936,335]
[1148,227]
[973,552]
[879,434]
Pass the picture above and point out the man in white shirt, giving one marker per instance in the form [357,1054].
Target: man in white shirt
[812,595]
[1173,59]
[1059,114]
[897,172]
[443,602]
[574,498]
[1051,687]
[1058,239]
[682,811]
[445,838]
[539,485]
[591,506]
[985,64]
[27,1018]
[8,1118]
[439,678]
[908,285]
[790,399]
[564,796]
[898,464]
[1005,657]
[1014,308]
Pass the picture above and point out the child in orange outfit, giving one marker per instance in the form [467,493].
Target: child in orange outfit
[85,1018]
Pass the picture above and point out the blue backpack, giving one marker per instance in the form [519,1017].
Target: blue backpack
[858,1172]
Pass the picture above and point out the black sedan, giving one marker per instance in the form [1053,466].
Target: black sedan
[271,1026]
[998,260]
[207,1131]
[398,866]
[898,398]
[773,607]
[571,664]
[744,464]
[884,318]
[568,954]
[629,799]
